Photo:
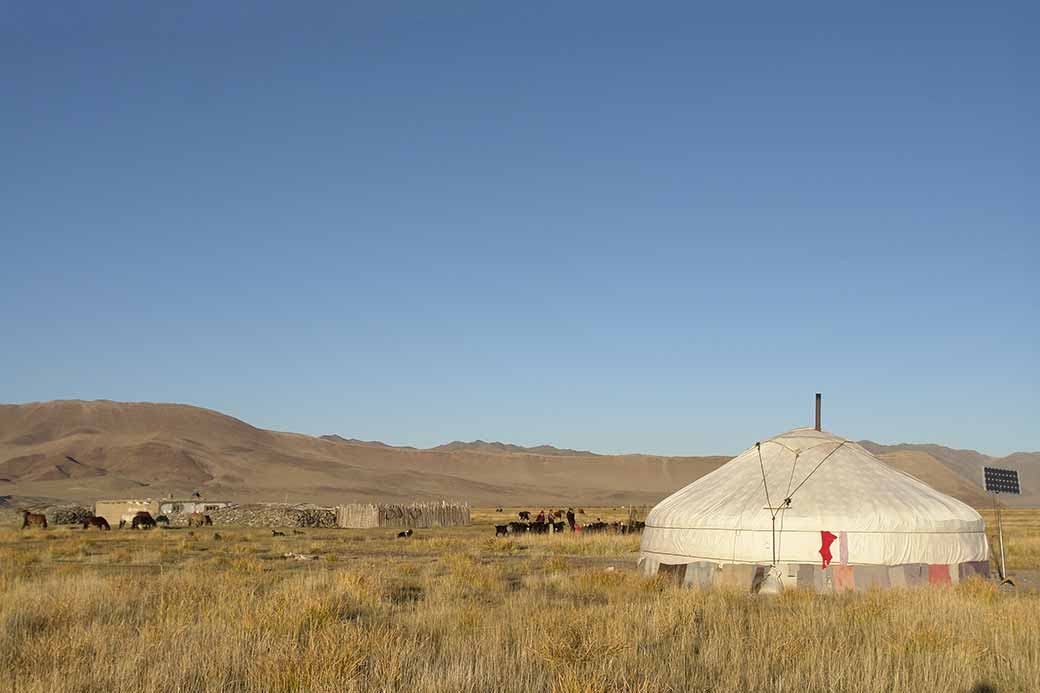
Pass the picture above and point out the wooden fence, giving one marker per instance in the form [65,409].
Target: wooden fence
[364,515]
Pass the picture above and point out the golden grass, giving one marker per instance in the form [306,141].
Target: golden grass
[453,610]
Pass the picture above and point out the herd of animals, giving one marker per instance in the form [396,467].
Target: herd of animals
[141,519]
[559,521]
[544,522]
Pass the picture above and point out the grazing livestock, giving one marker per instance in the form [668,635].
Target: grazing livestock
[596,527]
[30,520]
[498,510]
[501,530]
[216,535]
[142,520]
[296,531]
[162,521]
[538,528]
[558,526]
[98,522]
[524,515]
[405,534]
[200,520]
[631,527]
[516,527]
[276,533]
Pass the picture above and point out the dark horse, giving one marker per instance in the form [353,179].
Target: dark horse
[142,520]
[33,520]
[98,522]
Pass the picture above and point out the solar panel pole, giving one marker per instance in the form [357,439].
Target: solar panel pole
[1000,537]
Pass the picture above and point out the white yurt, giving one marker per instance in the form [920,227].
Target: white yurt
[812,510]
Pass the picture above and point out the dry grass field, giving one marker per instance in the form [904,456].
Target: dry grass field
[459,609]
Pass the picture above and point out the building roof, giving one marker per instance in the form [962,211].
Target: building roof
[834,485]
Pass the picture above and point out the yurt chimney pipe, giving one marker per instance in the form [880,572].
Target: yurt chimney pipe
[818,398]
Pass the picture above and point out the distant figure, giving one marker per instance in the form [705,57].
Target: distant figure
[570,518]
[296,531]
[498,510]
[98,522]
[216,535]
[405,534]
[276,533]
[196,494]
[541,516]
[33,520]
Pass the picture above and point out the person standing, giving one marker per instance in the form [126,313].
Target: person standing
[570,518]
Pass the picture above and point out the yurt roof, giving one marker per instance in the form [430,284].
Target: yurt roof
[833,484]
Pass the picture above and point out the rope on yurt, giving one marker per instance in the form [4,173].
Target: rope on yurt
[762,466]
[827,457]
[773,512]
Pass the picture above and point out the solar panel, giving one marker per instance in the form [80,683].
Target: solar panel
[1001,480]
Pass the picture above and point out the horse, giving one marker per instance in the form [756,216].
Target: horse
[98,522]
[142,520]
[31,520]
[200,520]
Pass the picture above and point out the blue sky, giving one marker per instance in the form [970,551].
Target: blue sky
[617,227]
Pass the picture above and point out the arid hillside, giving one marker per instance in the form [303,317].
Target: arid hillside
[961,474]
[82,451]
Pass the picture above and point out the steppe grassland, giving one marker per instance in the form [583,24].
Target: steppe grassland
[459,609]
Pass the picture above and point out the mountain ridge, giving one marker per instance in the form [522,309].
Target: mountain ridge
[76,450]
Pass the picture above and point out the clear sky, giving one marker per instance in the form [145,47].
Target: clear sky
[614,226]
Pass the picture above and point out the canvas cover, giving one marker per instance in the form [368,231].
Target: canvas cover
[876,514]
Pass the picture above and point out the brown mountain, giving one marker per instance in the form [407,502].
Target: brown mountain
[482,446]
[967,465]
[82,451]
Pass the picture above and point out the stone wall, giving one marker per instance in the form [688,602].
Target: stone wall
[266,515]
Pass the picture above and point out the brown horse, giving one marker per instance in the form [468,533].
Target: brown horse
[30,520]
[142,520]
[98,522]
[200,520]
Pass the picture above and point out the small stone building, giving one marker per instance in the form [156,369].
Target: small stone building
[113,510]
[193,505]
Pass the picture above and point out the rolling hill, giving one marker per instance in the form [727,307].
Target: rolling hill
[81,451]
